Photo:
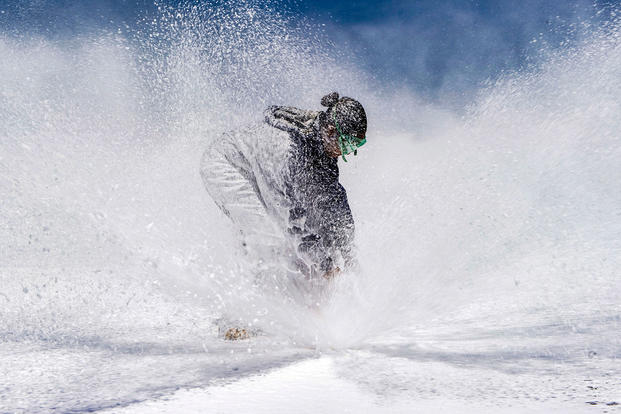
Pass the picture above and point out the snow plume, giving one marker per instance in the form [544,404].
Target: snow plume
[490,216]
[100,145]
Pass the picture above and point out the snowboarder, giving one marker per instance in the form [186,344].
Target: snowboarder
[279,184]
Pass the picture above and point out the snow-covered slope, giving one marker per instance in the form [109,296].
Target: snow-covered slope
[489,239]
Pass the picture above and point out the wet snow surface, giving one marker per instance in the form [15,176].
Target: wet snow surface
[489,238]
[179,362]
[461,367]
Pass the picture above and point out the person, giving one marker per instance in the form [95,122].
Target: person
[279,184]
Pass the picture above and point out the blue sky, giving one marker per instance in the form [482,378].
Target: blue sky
[450,46]
[435,47]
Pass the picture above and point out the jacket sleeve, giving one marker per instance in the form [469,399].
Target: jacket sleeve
[333,242]
[337,229]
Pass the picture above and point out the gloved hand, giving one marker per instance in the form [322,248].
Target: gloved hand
[330,274]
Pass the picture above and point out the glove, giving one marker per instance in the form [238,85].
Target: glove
[330,274]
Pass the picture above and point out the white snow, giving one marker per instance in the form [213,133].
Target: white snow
[489,240]
[337,384]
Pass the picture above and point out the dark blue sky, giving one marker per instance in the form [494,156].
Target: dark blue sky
[435,47]
[447,47]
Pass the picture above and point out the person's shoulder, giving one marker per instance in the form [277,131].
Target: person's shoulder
[257,135]
[290,119]
[246,130]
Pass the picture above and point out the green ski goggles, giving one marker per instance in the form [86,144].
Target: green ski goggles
[348,143]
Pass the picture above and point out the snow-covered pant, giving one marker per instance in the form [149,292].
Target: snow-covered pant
[273,261]
[238,197]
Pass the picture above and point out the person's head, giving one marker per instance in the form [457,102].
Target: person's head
[343,126]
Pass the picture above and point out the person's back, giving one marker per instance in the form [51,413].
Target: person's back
[278,182]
